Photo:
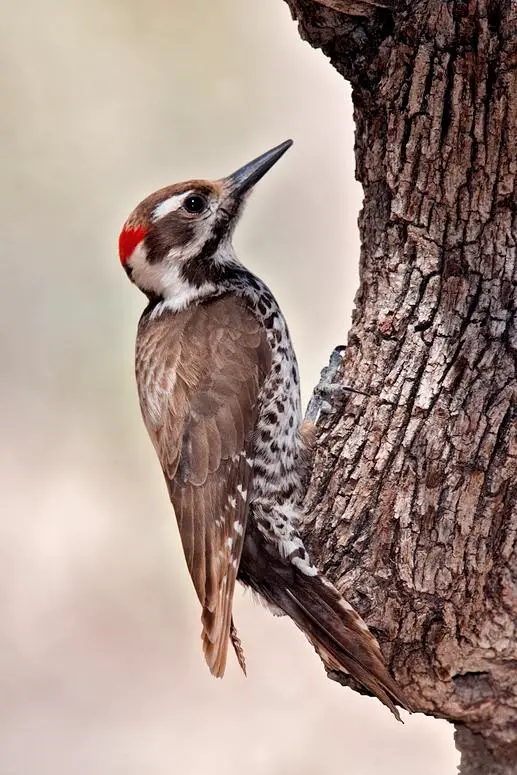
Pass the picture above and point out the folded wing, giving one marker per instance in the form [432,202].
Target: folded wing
[199,375]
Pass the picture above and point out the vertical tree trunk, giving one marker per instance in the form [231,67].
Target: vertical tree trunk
[412,506]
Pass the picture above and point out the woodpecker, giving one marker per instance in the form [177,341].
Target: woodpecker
[219,392]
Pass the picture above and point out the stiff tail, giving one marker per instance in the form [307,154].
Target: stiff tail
[339,635]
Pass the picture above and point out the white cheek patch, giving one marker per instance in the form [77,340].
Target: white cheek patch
[164,279]
[142,272]
[169,205]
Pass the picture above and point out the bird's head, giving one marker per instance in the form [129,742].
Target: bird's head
[177,240]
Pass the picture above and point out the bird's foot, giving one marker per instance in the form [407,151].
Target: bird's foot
[328,394]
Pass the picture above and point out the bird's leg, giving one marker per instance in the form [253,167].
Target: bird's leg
[326,397]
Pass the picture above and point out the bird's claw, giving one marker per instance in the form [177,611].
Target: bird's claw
[328,393]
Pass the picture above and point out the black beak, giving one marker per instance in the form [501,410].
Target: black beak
[245,178]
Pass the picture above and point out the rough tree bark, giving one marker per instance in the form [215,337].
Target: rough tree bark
[412,503]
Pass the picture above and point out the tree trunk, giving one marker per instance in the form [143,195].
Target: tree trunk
[412,504]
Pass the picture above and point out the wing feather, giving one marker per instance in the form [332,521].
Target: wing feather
[199,375]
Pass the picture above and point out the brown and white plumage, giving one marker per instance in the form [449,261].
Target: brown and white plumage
[200,410]
[219,391]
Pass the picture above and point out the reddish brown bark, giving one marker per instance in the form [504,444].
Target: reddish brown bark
[412,506]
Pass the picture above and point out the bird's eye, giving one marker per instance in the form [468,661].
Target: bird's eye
[194,203]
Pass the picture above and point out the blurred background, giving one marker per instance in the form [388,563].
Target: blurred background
[100,661]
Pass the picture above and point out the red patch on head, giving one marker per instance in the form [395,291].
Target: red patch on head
[129,238]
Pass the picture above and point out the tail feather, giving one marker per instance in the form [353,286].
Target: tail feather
[237,645]
[339,635]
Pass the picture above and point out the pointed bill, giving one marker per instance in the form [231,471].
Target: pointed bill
[245,177]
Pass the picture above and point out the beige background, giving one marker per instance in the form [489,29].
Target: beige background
[101,668]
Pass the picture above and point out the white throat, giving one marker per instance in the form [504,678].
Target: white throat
[166,278]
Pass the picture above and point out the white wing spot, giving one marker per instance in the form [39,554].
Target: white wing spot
[229,542]
[242,492]
[232,501]
[234,563]
[238,527]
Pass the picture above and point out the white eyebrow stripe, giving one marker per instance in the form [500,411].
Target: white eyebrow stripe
[169,205]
